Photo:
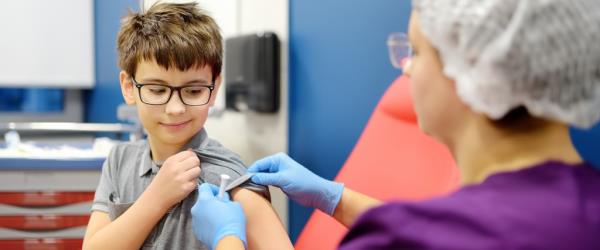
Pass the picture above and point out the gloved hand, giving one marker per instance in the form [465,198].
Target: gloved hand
[213,219]
[299,183]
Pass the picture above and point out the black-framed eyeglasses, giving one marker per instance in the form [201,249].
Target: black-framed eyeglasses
[159,94]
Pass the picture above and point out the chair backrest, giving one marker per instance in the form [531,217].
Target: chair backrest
[392,159]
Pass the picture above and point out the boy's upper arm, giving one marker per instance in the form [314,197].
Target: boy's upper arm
[250,199]
[264,229]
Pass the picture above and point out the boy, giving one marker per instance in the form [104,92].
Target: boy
[171,59]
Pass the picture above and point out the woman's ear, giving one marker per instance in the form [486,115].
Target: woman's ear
[213,96]
[127,88]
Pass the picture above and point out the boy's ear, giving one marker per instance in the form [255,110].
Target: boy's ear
[215,92]
[127,88]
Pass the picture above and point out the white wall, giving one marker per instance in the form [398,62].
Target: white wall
[252,135]
[47,43]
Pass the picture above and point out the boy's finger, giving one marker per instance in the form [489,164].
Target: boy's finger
[188,154]
[181,156]
[192,173]
[189,163]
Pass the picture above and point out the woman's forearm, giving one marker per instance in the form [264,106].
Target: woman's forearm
[130,229]
[352,205]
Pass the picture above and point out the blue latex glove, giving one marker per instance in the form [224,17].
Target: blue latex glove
[297,182]
[213,219]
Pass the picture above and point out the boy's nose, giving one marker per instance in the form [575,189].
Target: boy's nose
[175,105]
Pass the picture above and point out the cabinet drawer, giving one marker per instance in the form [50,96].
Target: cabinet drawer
[41,244]
[43,222]
[44,199]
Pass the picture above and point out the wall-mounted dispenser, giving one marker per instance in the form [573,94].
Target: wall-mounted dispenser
[252,72]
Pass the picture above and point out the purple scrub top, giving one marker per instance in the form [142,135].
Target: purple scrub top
[548,206]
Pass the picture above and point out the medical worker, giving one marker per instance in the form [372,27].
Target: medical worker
[498,82]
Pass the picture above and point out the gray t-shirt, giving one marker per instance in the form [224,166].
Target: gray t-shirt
[129,169]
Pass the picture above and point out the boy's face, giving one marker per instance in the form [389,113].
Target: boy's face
[174,122]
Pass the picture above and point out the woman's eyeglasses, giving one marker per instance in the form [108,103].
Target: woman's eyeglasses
[400,50]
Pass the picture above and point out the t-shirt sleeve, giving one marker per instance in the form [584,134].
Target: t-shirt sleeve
[425,225]
[105,186]
[216,160]
[211,173]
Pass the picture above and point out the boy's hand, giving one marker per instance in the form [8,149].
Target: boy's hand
[177,178]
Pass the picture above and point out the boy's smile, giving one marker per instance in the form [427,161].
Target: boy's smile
[175,125]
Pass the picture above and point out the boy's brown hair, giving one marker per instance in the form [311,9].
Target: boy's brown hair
[177,35]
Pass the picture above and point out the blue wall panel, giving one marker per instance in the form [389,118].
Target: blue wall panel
[587,143]
[103,99]
[339,68]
